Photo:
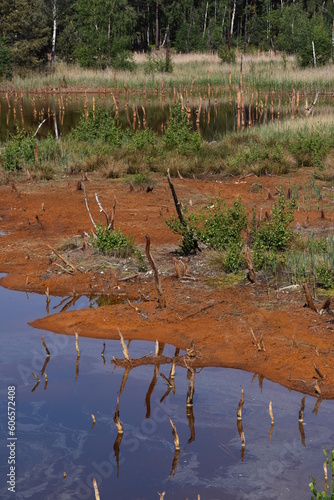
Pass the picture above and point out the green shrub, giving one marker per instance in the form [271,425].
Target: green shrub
[154,64]
[186,231]
[99,126]
[49,149]
[19,151]
[310,146]
[143,139]
[324,277]
[273,235]
[226,55]
[179,135]
[113,242]
[223,225]
[219,226]
[234,259]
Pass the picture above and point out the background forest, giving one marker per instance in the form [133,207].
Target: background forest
[103,33]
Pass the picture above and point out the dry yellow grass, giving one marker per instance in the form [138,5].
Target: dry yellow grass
[259,71]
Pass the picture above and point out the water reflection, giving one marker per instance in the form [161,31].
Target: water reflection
[55,433]
[59,113]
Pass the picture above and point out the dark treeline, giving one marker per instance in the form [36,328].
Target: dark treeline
[102,33]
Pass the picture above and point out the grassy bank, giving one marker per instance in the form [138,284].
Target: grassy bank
[259,72]
[99,145]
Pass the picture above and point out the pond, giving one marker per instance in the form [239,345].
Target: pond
[56,435]
[213,118]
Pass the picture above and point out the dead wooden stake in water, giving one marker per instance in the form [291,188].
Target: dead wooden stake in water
[161,296]
[175,434]
[77,344]
[325,472]
[47,293]
[241,404]
[96,490]
[271,412]
[301,411]
[36,376]
[161,495]
[124,347]
[45,346]
[242,437]
[117,419]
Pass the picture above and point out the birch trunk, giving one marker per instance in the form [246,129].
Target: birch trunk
[54,31]
[233,16]
[206,16]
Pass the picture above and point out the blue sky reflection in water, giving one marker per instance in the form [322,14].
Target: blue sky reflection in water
[55,434]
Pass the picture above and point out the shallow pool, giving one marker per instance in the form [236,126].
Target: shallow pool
[55,431]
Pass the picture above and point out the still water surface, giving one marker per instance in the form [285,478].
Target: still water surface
[55,433]
[215,119]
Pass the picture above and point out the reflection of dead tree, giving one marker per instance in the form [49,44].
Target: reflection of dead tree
[260,378]
[150,390]
[116,417]
[175,434]
[161,296]
[117,445]
[94,420]
[316,406]
[191,387]
[46,380]
[77,368]
[38,382]
[102,353]
[156,360]
[47,359]
[242,437]
[302,433]
[172,370]
[78,356]
[175,463]
[191,423]
[125,378]
[158,355]
[45,346]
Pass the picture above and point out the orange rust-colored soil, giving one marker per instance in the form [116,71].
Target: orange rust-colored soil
[217,317]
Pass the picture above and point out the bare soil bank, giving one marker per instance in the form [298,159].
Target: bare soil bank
[216,317]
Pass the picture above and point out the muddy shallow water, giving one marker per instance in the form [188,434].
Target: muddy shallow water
[55,432]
